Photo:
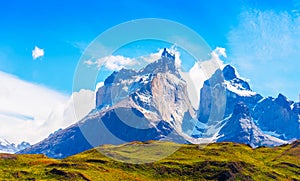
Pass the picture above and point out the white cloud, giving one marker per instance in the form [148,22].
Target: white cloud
[152,57]
[99,84]
[30,112]
[23,107]
[71,111]
[219,51]
[201,71]
[37,52]
[112,62]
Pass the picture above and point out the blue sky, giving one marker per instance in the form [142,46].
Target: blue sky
[261,38]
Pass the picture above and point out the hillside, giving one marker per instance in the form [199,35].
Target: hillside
[216,161]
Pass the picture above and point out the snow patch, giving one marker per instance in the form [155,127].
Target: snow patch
[271,133]
[234,89]
[277,140]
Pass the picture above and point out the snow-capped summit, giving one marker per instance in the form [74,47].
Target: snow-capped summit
[268,116]
[229,72]
[165,64]
[23,145]
[235,83]
[275,116]
[166,54]
[7,147]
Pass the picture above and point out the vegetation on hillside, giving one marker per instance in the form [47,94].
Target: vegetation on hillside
[216,161]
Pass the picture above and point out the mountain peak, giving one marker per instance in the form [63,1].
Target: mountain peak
[165,64]
[166,54]
[283,101]
[7,147]
[281,97]
[229,72]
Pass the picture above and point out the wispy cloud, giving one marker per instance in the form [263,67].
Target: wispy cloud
[264,47]
[37,53]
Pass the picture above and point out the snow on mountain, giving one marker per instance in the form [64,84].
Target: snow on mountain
[240,128]
[276,115]
[235,83]
[269,121]
[237,88]
[23,145]
[7,147]
[154,103]
[148,104]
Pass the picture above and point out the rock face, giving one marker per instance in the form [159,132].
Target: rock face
[248,117]
[153,104]
[278,116]
[60,144]
[240,128]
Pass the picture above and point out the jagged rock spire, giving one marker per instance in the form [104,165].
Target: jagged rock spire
[166,54]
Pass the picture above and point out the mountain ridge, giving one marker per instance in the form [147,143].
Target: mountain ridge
[153,104]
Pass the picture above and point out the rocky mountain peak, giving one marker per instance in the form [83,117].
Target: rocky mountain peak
[229,72]
[166,54]
[231,76]
[7,147]
[283,101]
[166,63]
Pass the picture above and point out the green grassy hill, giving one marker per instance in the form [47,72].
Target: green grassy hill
[217,161]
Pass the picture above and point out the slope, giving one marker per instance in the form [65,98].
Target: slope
[216,161]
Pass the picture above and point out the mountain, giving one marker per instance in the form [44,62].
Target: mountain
[240,128]
[216,161]
[148,104]
[240,116]
[153,104]
[7,147]
[279,117]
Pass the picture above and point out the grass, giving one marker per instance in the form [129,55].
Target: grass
[216,161]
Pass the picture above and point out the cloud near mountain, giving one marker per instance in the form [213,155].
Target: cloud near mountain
[30,112]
